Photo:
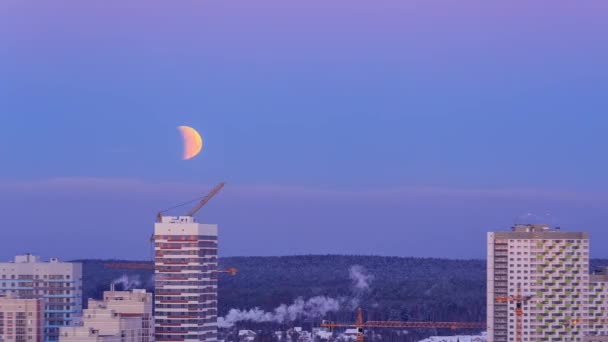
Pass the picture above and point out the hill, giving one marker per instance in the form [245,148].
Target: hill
[388,288]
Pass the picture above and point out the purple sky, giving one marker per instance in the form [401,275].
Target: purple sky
[366,127]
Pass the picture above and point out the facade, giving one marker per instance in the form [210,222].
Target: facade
[21,320]
[58,283]
[122,316]
[550,266]
[185,280]
[597,320]
[135,303]
[457,338]
[596,338]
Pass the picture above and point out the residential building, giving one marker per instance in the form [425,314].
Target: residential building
[247,335]
[122,316]
[58,283]
[457,338]
[596,338]
[21,320]
[185,280]
[551,268]
[597,320]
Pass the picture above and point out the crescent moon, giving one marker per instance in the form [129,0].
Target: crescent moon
[193,143]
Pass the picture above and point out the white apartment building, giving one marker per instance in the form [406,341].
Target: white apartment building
[58,283]
[549,265]
[597,320]
[21,320]
[122,316]
[185,280]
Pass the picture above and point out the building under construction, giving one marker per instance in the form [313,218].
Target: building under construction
[185,265]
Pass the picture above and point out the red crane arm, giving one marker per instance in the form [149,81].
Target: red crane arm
[430,325]
[409,324]
[206,199]
[142,266]
[130,266]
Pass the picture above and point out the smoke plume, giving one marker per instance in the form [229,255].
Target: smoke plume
[314,307]
[361,279]
[360,284]
[127,282]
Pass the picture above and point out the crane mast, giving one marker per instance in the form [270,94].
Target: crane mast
[519,300]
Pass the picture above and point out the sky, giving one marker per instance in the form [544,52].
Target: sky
[407,128]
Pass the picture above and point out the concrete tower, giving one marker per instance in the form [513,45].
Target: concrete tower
[186,280]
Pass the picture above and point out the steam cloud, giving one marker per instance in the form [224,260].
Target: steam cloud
[314,307]
[360,278]
[127,282]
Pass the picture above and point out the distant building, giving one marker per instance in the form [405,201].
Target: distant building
[457,338]
[597,321]
[247,335]
[185,280]
[322,334]
[298,334]
[21,320]
[353,332]
[122,316]
[548,264]
[58,283]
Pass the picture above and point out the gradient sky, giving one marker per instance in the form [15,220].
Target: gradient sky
[385,127]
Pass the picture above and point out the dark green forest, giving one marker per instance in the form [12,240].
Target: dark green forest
[421,289]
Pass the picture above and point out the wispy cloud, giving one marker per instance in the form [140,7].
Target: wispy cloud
[403,219]
[130,185]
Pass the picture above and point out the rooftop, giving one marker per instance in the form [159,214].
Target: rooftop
[538,231]
[533,228]
[30,259]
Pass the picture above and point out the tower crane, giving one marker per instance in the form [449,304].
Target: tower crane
[198,207]
[159,216]
[519,310]
[360,325]
[146,266]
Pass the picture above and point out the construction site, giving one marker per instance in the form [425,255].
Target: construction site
[537,280]
[186,273]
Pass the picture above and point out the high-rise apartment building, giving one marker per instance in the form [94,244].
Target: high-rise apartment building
[185,280]
[58,283]
[122,316]
[597,320]
[21,320]
[551,266]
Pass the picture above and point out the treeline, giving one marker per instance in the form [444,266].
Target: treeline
[420,289]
